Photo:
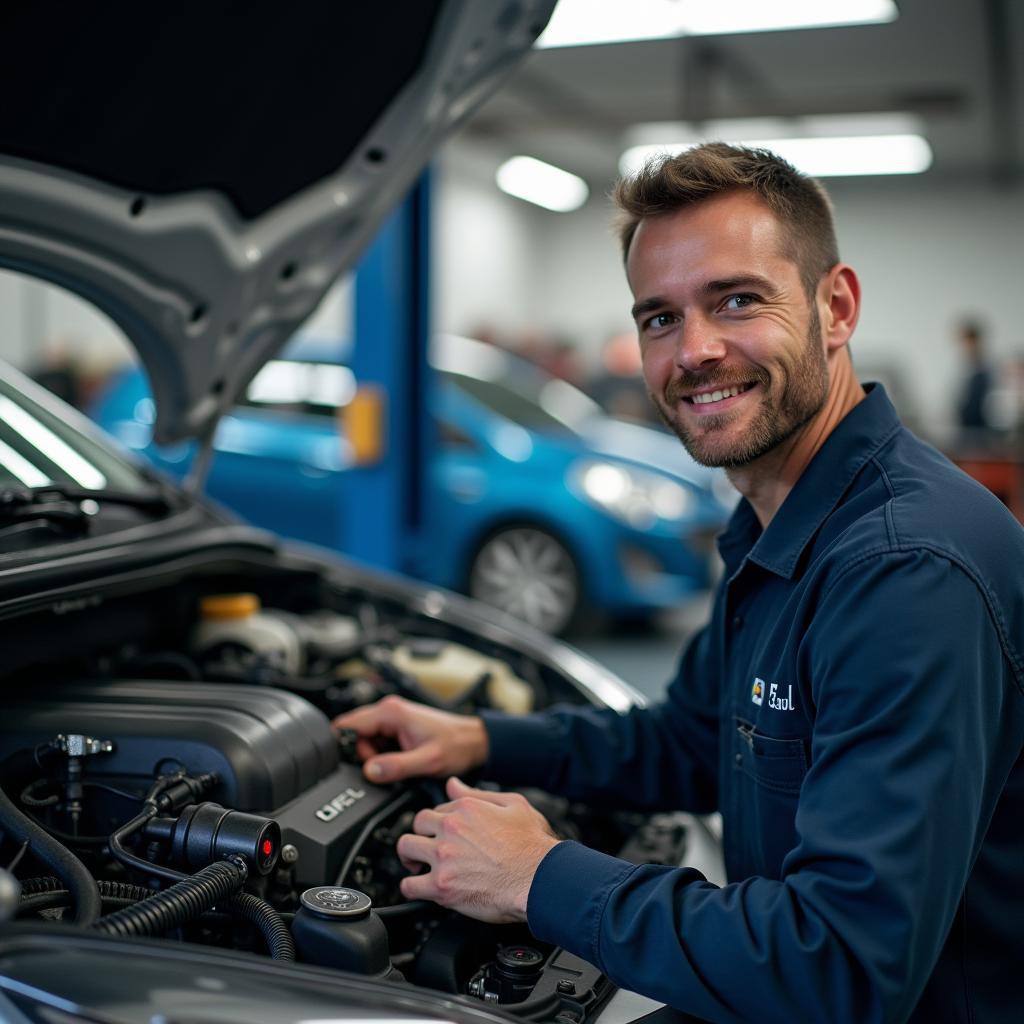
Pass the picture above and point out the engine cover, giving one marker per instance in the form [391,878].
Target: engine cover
[328,820]
[266,746]
[273,752]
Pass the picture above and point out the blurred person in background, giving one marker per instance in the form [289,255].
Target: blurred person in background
[854,709]
[972,411]
[619,385]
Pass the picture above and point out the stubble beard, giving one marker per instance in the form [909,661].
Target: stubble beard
[803,394]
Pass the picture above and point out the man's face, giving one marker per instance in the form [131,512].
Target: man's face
[731,345]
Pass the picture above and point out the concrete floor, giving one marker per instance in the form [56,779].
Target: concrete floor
[646,656]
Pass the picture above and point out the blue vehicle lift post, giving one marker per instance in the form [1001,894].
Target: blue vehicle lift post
[383,523]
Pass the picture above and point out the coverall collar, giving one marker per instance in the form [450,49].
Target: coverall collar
[854,442]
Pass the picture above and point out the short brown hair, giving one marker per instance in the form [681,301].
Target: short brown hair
[801,204]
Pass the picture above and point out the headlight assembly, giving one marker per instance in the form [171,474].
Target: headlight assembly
[635,496]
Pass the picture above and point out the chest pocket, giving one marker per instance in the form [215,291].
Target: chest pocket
[777,765]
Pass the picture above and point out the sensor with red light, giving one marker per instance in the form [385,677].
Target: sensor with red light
[207,832]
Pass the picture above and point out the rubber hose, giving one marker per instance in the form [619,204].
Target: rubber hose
[397,910]
[113,890]
[64,864]
[61,898]
[184,901]
[267,920]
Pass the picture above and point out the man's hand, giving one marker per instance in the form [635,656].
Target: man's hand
[481,851]
[432,742]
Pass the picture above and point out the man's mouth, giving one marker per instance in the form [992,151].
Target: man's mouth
[719,395]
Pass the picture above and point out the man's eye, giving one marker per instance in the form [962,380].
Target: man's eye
[661,320]
[735,302]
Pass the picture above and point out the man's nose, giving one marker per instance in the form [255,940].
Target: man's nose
[699,344]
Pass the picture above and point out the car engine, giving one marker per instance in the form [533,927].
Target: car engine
[172,758]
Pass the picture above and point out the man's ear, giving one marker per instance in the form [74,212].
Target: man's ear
[838,305]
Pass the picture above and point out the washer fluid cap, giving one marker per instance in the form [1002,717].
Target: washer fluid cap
[229,606]
[336,901]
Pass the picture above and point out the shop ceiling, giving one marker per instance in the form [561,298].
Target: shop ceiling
[958,65]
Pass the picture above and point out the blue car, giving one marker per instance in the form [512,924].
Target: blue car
[538,503]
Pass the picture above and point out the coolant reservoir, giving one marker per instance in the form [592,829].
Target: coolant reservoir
[448,671]
[236,620]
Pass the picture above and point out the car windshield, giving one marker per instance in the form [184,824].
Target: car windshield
[512,387]
[41,446]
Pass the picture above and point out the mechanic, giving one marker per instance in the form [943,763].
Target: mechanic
[853,708]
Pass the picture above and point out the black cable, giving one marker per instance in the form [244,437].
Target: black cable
[46,894]
[66,838]
[397,910]
[134,797]
[118,852]
[61,898]
[55,856]
[269,922]
[367,830]
[184,789]
[183,902]
[22,850]
[30,800]
[121,890]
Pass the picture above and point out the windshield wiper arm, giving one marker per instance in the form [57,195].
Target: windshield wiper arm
[63,503]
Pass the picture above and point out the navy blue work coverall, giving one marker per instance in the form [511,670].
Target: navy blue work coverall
[854,709]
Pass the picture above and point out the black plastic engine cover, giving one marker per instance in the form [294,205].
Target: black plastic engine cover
[268,747]
[324,823]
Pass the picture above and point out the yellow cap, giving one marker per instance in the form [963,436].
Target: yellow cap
[229,606]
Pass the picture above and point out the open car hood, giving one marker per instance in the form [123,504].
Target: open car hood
[204,177]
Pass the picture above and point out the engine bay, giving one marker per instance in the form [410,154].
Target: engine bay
[174,742]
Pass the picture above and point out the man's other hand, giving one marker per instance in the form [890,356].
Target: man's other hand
[431,742]
[481,851]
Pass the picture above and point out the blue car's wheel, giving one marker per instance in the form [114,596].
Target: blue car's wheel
[530,574]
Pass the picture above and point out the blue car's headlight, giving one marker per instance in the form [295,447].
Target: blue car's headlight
[636,496]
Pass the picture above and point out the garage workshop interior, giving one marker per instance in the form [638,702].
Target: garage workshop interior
[320,384]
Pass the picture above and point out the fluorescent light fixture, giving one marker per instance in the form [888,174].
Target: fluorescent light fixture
[541,184]
[836,146]
[727,16]
[51,446]
[821,158]
[20,467]
[585,23]
[282,382]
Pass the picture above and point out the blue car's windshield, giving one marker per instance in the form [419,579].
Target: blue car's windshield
[512,387]
[510,404]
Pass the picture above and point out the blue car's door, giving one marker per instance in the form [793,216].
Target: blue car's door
[289,470]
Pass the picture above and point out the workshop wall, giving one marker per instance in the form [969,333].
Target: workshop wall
[485,249]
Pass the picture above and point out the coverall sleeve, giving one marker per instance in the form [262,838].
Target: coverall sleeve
[917,726]
[659,758]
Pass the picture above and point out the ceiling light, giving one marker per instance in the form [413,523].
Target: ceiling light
[834,156]
[542,184]
[756,16]
[50,446]
[583,23]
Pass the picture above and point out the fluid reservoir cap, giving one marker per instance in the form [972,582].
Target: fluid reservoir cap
[335,901]
[519,960]
[229,606]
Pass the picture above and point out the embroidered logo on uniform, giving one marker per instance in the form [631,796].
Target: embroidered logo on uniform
[757,692]
[780,703]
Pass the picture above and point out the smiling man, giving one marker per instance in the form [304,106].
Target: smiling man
[853,708]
